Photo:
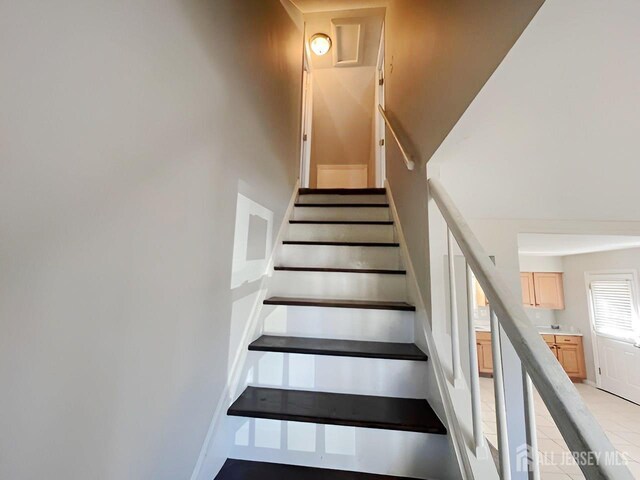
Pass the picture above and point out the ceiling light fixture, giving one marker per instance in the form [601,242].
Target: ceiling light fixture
[320,44]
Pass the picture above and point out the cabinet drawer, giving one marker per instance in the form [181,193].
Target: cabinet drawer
[483,336]
[550,339]
[574,340]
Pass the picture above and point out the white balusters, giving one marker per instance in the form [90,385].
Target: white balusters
[498,388]
[476,406]
[453,307]
[530,418]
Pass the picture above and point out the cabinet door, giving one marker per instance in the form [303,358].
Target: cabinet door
[549,292]
[570,353]
[485,359]
[569,358]
[526,283]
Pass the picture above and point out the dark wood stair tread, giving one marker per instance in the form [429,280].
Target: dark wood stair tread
[342,191]
[337,303]
[338,348]
[388,413]
[381,271]
[341,244]
[341,205]
[341,222]
[246,470]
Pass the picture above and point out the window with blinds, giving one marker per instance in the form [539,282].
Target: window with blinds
[614,306]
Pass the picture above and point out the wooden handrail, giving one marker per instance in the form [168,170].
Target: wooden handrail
[576,423]
[407,158]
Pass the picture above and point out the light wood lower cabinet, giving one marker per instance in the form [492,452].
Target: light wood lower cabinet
[570,354]
[485,357]
[568,349]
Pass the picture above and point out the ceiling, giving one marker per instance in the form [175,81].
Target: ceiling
[308,6]
[547,245]
[365,38]
[551,135]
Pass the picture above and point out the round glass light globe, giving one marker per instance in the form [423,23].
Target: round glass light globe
[320,44]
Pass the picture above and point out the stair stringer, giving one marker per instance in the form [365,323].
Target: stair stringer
[219,439]
[451,403]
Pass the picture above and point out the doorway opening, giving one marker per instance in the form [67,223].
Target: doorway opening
[342,134]
[583,293]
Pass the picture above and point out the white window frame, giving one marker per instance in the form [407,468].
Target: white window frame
[613,275]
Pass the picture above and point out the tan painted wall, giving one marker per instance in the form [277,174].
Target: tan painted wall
[439,54]
[128,131]
[342,118]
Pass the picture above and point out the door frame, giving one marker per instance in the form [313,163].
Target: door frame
[306,119]
[594,335]
[380,128]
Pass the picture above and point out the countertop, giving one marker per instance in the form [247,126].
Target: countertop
[541,330]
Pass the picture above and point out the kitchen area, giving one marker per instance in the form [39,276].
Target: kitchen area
[542,285]
[582,293]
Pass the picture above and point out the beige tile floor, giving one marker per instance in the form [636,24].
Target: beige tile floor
[619,418]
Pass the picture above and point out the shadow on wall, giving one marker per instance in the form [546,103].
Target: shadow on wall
[252,248]
[252,242]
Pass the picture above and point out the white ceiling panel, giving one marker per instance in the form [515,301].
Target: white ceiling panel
[542,244]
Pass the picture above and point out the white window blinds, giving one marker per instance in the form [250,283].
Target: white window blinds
[614,310]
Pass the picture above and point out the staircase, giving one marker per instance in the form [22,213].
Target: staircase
[351,400]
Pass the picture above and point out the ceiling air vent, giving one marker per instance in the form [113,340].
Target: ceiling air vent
[348,34]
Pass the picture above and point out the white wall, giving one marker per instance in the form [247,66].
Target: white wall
[128,132]
[343,118]
[540,264]
[576,313]
[553,133]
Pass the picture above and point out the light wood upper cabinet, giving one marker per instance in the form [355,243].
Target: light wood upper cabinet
[549,290]
[542,290]
[485,355]
[527,285]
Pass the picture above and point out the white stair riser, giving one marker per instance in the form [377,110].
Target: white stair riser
[339,257]
[323,198]
[341,213]
[347,286]
[341,233]
[340,323]
[362,376]
[386,452]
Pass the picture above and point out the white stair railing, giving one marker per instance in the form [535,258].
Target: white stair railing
[583,435]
